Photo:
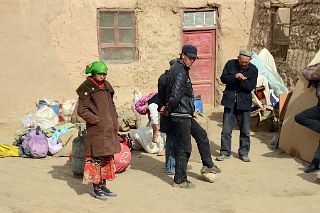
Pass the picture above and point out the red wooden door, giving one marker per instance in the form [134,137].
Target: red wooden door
[202,72]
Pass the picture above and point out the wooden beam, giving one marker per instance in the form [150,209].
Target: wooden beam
[283,5]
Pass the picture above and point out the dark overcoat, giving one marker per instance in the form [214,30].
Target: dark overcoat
[97,108]
[238,92]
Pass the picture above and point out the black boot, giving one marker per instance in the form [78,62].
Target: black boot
[313,166]
[105,190]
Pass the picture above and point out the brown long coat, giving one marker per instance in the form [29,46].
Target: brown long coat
[97,108]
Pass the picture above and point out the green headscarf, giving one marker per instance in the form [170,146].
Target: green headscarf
[97,67]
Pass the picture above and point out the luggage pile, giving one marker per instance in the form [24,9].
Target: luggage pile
[46,130]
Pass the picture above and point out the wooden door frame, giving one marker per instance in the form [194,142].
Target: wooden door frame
[214,28]
[213,59]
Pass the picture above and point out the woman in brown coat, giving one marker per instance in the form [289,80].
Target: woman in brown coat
[97,108]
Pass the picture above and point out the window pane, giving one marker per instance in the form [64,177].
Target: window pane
[107,36]
[113,54]
[106,54]
[284,15]
[116,36]
[209,18]
[125,20]
[125,36]
[116,54]
[127,53]
[199,18]
[106,19]
[188,20]
[284,20]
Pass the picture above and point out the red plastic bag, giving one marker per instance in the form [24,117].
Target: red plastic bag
[122,159]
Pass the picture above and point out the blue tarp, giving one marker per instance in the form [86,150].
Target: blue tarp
[274,79]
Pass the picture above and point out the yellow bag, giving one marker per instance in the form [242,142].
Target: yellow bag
[8,151]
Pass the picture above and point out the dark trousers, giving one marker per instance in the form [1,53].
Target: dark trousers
[201,137]
[170,161]
[230,115]
[183,129]
[310,118]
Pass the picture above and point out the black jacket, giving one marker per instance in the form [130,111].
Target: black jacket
[162,95]
[179,90]
[162,88]
[238,92]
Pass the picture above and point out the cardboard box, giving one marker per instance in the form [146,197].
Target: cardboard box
[297,140]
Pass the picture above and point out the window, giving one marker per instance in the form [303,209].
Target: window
[116,36]
[280,18]
[199,19]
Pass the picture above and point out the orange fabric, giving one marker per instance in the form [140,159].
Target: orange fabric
[98,169]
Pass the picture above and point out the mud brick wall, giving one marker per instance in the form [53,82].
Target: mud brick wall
[304,36]
[260,36]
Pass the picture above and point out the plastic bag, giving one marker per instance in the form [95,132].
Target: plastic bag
[75,118]
[122,159]
[28,120]
[142,139]
[8,151]
[142,120]
[54,145]
[67,109]
[265,65]
[45,117]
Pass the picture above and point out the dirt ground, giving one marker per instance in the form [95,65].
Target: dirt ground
[272,182]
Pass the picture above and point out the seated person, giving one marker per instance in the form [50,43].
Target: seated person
[310,118]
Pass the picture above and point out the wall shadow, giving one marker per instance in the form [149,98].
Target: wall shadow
[216,116]
[215,150]
[140,161]
[196,176]
[74,182]
[278,153]
[311,177]
[144,162]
